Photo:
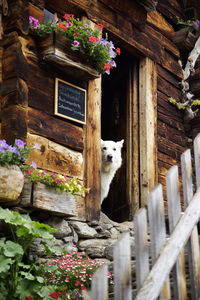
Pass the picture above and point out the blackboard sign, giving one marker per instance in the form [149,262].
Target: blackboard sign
[70,101]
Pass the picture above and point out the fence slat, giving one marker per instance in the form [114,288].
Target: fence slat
[122,268]
[174,213]
[99,289]
[157,230]
[154,281]
[141,246]
[197,159]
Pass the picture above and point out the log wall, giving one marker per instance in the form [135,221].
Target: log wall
[27,105]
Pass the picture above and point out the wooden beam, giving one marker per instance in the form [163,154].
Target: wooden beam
[148,130]
[92,147]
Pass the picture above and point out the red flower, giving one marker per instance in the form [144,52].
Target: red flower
[93,39]
[29,298]
[83,288]
[77,282]
[62,26]
[118,51]
[107,67]
[54,295]
[76,34]
[68,16]
[100,26]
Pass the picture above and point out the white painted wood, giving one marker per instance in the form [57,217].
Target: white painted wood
[174,212]
[163,265]
[193,243]
[157,230]
[99,289]
[141,246]
[122,268]
[197,159]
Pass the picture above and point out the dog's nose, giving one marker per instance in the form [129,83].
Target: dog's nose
[109,157]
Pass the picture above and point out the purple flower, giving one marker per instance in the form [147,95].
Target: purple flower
[197,24]
[76,43]
[13,150]
[113,63]
[112,53]
[33,22]
[36,146]
[3,144]
[33,164]
[2,149]
[20,144]
[70,24]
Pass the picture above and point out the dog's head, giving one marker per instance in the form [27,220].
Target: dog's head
[111,151]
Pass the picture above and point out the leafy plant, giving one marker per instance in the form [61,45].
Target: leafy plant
[82,37]
[193,25]
[55,180]
[14,155]
[188,104]
[19,276]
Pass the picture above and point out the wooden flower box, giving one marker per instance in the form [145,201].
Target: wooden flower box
[53,48]
[41,197]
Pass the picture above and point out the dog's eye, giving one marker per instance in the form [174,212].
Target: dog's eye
[114,149]
[104,148]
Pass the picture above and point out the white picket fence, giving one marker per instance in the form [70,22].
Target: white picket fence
[167,263]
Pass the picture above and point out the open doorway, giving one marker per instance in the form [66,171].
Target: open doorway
[116,120]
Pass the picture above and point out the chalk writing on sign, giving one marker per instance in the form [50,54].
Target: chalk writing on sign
[70,101]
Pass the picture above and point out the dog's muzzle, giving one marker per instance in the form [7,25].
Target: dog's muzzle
[109,158]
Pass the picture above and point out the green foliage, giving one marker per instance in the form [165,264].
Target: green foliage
[192,25]
[172,100]
[19,276]
[195,102]
[57,181]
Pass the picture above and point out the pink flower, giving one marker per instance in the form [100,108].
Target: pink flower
[76,43]
[100,26]
[77,283]
[118,51]
[68,16]
[29,298]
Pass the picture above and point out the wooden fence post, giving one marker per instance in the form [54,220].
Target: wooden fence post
[174,213]
[122,268]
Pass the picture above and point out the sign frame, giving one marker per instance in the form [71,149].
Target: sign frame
[56,101]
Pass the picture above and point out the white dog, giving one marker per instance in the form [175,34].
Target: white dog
[111,162]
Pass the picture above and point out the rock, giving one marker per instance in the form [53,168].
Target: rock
[83,230]
[75,236]
[95,247]
[114,233]
[61,225]
[68,239]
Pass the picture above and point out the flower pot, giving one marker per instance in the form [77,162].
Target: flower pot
[54,48]
[11,183]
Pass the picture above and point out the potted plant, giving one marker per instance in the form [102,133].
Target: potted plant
[11,176]
[75,44]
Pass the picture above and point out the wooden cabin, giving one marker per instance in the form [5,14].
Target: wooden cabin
[131,103]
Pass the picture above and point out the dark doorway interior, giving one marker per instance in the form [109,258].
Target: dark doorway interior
[115,97]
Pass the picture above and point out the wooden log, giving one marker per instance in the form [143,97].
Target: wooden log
[170,148]
[51,200]
[14,123]
[92,153]
[159,22]
[55,158]
[17,19]
[172,134]
[14,92]
[55,129]
[36,11]
[14,63]
[184,39]
[148,4]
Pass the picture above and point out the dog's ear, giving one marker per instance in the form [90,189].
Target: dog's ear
[101,141]
[120,143]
